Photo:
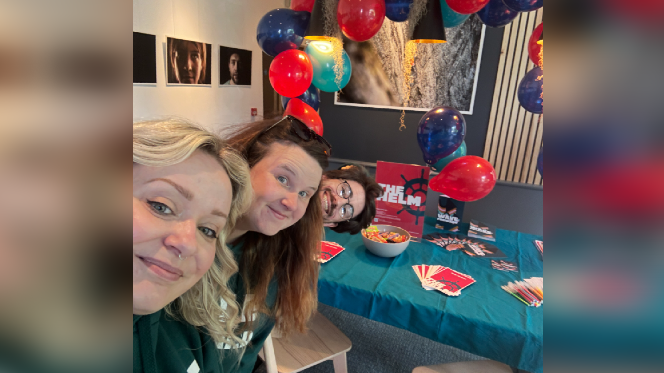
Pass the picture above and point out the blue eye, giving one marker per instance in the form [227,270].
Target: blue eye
[160,208]
[304,194]
[282,179]
[208,232]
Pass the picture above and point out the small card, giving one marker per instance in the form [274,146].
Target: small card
[481,230]
[329,250]
[449,281]
[502,265]
[443,279]
[472,247]
[540,247]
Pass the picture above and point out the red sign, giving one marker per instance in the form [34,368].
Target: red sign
[404,198]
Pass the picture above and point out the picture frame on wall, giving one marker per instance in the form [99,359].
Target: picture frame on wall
[234,67]
[145,58]
[188,62]
[442,74]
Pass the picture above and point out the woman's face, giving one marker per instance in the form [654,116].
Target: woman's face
[179,211]
[188,63]
[284,181]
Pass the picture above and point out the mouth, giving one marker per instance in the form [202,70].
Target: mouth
[161,269]
[327,206]
[187,77]
[277,214]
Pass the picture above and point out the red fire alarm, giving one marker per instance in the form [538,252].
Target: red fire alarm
[254,111]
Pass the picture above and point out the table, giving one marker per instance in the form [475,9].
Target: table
[483,320]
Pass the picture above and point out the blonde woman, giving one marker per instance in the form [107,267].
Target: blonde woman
[188,191]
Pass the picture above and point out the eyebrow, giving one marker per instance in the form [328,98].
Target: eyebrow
[182,190]
[289,169]
[220,213]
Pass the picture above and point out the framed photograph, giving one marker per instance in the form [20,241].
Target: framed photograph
[442,74]
[188,62]
[145,58]
[234,66]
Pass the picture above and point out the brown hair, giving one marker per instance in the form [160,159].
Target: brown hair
[288,256]
[372,190]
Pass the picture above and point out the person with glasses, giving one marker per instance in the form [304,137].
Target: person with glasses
[348,198]
[276,241]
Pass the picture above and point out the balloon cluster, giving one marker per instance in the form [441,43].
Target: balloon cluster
[531,88]
[494,13]
[440,135]
[299,76]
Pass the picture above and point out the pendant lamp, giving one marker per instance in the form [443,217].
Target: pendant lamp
[430,28]
[316,29]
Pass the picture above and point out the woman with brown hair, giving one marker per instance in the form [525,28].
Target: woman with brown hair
[275,243]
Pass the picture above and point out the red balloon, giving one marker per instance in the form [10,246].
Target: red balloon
[360,20]
[534,49]
[299,5]
[302,111]
[465,179]
[291,73]
[467,6]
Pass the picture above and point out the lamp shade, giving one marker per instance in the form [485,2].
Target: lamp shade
[430,28]
[316,29]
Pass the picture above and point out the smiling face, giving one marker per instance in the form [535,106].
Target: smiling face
[178,211]
[188,62]
[332,202]
[284,181]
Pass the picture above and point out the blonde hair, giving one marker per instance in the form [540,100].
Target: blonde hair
[167,142]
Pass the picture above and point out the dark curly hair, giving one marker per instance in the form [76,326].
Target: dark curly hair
[372,190]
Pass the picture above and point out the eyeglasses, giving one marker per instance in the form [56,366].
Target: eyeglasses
[344,191]
[302,131]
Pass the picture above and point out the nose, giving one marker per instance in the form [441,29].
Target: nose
[181,239]
[190,64]
[334,201]
[290,201]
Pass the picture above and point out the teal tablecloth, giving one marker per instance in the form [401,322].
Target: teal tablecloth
[483,320]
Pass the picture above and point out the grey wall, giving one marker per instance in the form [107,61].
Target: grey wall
[369,135]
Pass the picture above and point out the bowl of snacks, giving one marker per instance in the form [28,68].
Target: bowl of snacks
[385,240]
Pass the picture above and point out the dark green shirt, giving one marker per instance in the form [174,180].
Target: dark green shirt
[163,344]
[262,325]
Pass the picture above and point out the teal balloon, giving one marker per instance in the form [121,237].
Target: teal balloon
[323,62]
[460,152]
[450,17]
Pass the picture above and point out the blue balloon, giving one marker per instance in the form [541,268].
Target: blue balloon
[310,97]
[497,14]
[524,5]
[397,10]
[460,152]
[281,29]
[322,60]
[530,91]
[450,17]
[540,162]
[440,132]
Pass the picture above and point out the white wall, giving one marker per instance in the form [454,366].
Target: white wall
[230,23]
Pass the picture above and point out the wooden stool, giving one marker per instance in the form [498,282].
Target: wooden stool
[323,341]
[480,366]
